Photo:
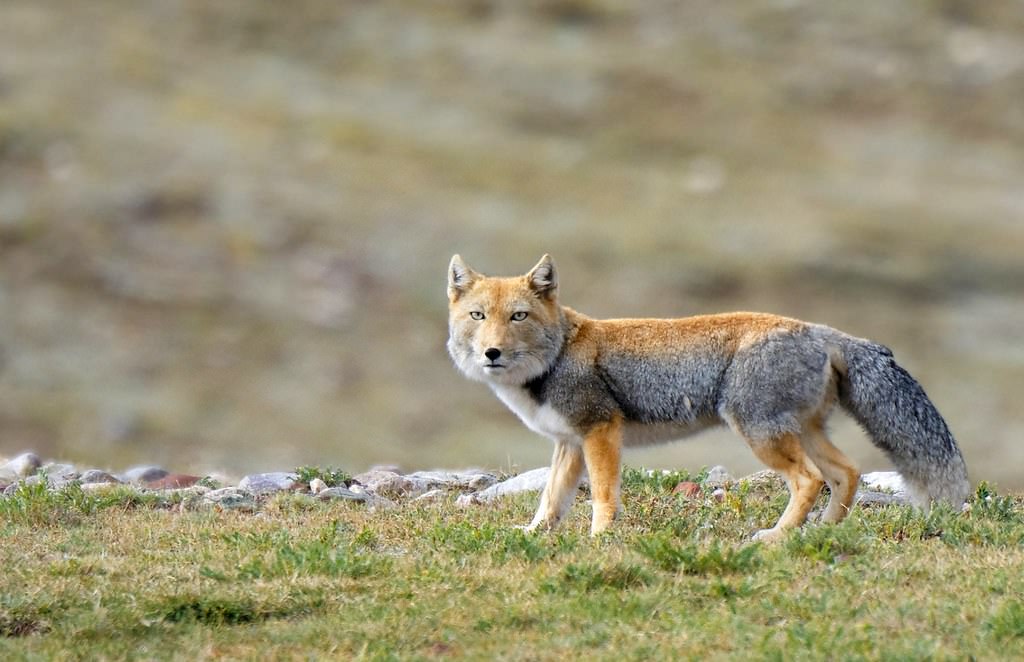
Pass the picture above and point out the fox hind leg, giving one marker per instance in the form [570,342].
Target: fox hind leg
[558,494]
[785,454]
[839,471]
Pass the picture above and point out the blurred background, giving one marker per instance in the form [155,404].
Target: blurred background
[225,226]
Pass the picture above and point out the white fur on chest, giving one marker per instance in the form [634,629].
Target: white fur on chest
[541,418]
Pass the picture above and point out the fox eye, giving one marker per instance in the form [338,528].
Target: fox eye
[477,315]
[519,316]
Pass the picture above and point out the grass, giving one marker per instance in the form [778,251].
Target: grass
[118,576]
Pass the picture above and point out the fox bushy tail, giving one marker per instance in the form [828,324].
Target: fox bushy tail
[900,419]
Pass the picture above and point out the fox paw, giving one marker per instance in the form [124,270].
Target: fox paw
[769,535]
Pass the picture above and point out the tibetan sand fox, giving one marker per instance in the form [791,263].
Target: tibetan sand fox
[596,386]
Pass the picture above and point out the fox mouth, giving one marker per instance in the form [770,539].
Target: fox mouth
[494,366]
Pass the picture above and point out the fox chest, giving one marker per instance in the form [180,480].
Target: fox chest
[542,418]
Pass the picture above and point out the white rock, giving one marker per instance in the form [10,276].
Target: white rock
[885,480]
[528,481]
[316,486]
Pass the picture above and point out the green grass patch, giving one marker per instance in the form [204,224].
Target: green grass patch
[113,577]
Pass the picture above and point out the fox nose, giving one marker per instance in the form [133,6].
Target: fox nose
[493,354]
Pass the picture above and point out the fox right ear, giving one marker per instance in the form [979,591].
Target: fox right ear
[460,277]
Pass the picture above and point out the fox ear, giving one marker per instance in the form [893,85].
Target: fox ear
[460,277]
[543,278]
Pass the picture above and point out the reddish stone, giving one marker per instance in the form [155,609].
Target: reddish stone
[173,482]
[687,488]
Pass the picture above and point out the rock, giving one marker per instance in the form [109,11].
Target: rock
[95,476]
[268,483]
[143,474]
[469,479]
[688,489]
[173,482]
[718,494]
[717,476]
[434,495]
[386,483]
[528,481]
[875,498]
[231,498]
[22,466]
[391,468]
[316,486]
[765,480]
[341,493]
[885,480]
[466,500]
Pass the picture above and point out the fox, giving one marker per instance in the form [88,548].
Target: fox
[597,386]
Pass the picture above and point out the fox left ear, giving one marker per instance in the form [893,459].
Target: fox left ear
[543,278]
[460,277]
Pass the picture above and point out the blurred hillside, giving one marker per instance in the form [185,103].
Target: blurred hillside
[224,226]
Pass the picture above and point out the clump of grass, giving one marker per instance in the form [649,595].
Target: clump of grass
[691,559]
[592,576]
[1008,621]
[331,476]
[829,542]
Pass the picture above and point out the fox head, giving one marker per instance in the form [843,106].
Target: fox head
[504,330]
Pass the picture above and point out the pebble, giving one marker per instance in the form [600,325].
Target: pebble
[268,483]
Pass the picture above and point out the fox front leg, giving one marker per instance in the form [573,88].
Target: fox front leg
[558,494]
[602,448]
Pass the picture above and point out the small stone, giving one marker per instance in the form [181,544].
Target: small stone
[268,483]
[718,476]
[434,495]
[231,498]
[95,476]
[316,486]
[385,483]
[173,482]
[23,465]
[341,493]
[687,488]
[718,494]
[467,500]
[143,474]
[468,479]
